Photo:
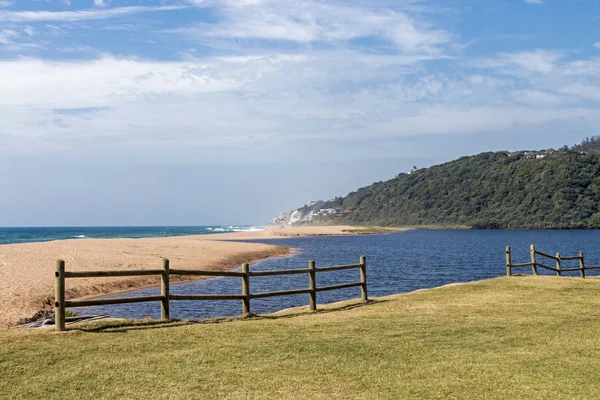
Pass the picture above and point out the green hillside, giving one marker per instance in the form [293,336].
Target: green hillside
[541,189]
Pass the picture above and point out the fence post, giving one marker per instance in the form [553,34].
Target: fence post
[508,262]
[558,273]
[363,278]
[246,290]
[59,297]
[533,260]
[581,265]
[312,285]
[164,290]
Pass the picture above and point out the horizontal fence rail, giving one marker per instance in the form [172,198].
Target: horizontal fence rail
[165,297]
[205,273]
[206,297]
[282,272]
[340,286]
[558,259]
[103,302]
[103,274]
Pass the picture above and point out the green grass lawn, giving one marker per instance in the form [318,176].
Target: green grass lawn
[505,338]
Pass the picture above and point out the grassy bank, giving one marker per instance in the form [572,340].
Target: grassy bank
[366,230]
[518,338]
[369,229]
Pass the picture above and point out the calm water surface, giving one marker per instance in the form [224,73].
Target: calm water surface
[396,263]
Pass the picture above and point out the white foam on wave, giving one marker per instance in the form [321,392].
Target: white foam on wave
[252,229]
[79,236]
[232,228]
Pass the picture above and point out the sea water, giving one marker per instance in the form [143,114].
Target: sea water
[42,234]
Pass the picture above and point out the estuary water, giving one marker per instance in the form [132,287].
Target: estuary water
[396,263]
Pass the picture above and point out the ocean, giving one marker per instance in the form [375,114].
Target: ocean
[397,263]
[27,235]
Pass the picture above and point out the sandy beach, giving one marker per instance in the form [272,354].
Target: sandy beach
[285,232]
[27,270]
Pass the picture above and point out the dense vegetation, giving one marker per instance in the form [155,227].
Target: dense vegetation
[542,189]
[589,144]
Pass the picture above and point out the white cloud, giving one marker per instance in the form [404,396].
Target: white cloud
[542,98]
[7,36]
[585,91]
[319,89]
[101,83]
[228,3]
[534,2]
[100,3]
[17,39]
[269,106]
[5,3]
[448,120]
[536,61]
[597,45]
[582,68]
[82,15]
[122,27]
[314,21]
[29,30]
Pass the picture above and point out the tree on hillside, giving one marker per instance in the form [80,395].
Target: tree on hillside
[591,143]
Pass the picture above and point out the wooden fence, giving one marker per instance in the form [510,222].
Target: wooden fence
[557,259]
[165,297]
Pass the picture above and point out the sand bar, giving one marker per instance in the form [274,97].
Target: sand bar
[287,232]
[27,270]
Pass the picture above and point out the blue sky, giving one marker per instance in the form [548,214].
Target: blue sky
[243,109]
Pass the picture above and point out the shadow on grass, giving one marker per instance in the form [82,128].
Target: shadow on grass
[303,311]
[124,326]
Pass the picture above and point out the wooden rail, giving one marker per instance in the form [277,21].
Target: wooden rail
[281,272]
[104,302]
[108,274]
[558,259]
[165,297]
[207,297]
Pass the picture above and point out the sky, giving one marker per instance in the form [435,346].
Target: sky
[202,112]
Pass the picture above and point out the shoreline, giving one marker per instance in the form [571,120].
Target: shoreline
[240,236]
[268,232]
[336,305]
[27,269]
[188,279]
